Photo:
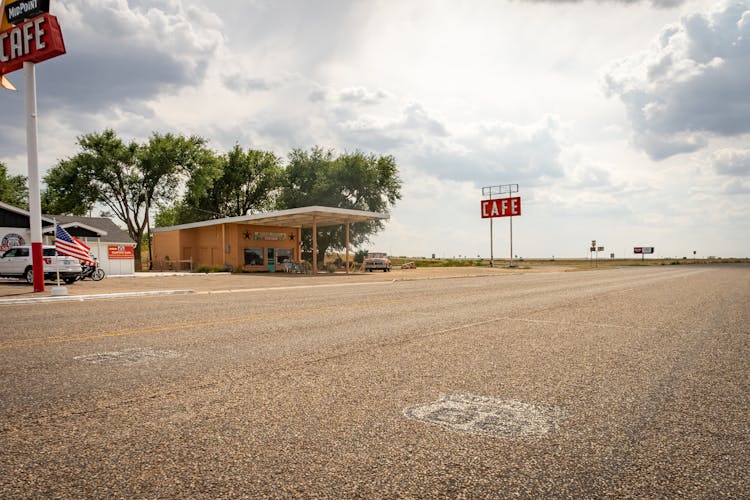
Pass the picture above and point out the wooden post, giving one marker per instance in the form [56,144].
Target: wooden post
[299,244]
[315,246]
[223,244]
[347,248]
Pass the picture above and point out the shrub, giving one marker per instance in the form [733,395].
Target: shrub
[211,269]
[359,256]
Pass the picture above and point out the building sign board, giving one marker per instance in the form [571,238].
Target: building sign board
[269,236]
[21,10]
[501,207]
[11,240]
[115,252]
[34,41]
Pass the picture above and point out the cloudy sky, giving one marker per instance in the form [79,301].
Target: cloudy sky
[621,121]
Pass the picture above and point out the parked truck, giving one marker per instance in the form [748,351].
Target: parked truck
[377,260]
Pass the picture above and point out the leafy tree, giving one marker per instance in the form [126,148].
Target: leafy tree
[360,255]
[247,182]
[13,188]
[69,191]
[168,215]
[352,180]
[129,179]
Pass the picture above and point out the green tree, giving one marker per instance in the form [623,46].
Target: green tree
[130,179]
[69,191]
[247,182]
[356,181]
[13,188]
[168,215]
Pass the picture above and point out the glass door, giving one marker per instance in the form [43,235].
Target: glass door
[271,259]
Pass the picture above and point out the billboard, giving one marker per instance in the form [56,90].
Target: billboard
[501,207]
[643,250]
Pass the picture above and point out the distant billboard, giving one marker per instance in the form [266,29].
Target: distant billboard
[501,207]
[643,250]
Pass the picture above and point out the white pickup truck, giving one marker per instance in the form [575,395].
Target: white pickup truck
[16,263]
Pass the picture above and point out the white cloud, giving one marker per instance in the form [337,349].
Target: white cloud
[732,162]
[691,84]
[462,95]
[480,152]
[660,4]
[119,55]
[736,186]
[362,95]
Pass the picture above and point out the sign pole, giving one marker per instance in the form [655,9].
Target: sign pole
[511,242]
[492,256]
[35,203]
[500,207]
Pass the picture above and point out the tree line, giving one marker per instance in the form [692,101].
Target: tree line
[179,179]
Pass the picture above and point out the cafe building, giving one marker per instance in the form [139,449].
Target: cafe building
[270,241]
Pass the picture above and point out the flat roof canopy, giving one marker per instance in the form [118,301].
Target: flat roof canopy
[303,217]
[294,217]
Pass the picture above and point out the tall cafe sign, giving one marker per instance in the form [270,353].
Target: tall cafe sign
[493,207]
[29,35]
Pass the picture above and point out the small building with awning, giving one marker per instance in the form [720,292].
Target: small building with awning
[258,242]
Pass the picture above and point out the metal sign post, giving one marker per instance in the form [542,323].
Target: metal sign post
[509,209]
[35,205]
[592,249]
[642,251]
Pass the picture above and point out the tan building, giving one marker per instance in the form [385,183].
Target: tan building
[261,242]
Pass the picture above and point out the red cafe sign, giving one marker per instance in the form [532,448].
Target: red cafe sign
[502,207]
[35,40]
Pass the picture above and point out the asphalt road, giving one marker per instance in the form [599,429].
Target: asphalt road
[303,391]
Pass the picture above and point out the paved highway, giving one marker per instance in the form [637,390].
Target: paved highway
[613,383]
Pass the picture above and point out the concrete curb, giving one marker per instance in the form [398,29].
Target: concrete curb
[161,275]
[81,298]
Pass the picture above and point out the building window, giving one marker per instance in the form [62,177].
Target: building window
[283,255]
[253,256]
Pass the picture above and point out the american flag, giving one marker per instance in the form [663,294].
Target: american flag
[68,245]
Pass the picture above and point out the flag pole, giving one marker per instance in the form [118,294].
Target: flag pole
[58,290]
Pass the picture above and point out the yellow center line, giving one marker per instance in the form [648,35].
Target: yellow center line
[195,324]
[241,319]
